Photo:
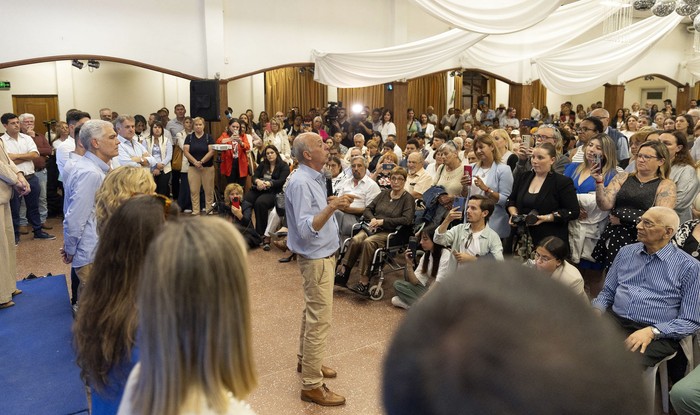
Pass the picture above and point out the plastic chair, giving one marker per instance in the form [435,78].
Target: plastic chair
[649,378]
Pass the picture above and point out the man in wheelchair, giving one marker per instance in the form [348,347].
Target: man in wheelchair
[390,209]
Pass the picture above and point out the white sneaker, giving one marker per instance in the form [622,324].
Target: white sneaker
[187,211]
[397,302]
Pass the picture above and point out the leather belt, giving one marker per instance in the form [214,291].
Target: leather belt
[29,176]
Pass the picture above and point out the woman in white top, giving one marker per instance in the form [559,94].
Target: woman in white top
[550,258]
[388,126]
[426,126]
[434,167]
[187,304]
[60,134]
[433,264]
[631,126]
[501,139]
[161,148]
[277,137]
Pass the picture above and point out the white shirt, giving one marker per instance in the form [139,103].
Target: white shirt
[62,153]
[365,191]
[23,144]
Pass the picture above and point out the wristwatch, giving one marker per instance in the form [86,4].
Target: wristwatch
[657,332]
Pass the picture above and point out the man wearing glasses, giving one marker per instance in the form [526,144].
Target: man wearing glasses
[620,140]
[652,291]
[545,134]
[588,128]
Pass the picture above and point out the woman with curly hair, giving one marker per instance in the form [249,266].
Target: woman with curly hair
[120,184]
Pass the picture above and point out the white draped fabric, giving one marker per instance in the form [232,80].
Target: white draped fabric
[373,67]
[490,17]
[559,28]
[584,67]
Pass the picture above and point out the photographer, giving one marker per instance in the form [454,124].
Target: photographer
[360,125]
[544,199]
[238,210]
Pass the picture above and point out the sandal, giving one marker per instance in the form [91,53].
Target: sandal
[7,304]
[16,292]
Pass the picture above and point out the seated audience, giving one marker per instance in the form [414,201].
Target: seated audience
[389,210]
[685,394]
[106,323]
[240,211]
[636,140]
[418,180]
[550,258]
[471,240]
[385,166]
[359,141]
[652,291]
[629,195]
[373,154]
[267,182]
[362,188]
[451,174]
[187,303]
[546,198]
[432,265]
[335,167]
[477,340]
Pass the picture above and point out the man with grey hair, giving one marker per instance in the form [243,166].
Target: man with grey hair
[652,290]
[418,180]
[131,152]
[313,236]
[547,133]
[26,124]
[79,225]
[362,188]
[106,114]
[620,140]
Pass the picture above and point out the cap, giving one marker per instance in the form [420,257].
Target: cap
[515,132]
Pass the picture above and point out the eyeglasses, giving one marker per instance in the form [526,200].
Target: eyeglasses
[542,258]
[543,137]
[584,129]
[647,157]
[397,179]
[646,223]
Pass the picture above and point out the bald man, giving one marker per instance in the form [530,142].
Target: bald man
[652,291]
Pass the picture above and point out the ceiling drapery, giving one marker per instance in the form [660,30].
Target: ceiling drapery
[490,17]
[558,29]
[372,67]
[584,67]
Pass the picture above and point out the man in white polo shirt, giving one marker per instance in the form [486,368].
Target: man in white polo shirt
[22,150]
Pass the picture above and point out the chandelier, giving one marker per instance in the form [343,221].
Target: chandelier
[663,8]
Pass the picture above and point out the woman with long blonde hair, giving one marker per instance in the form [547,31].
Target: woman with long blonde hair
[120,184]
[196,346]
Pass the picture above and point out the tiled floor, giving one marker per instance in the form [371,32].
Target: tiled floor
[358,340]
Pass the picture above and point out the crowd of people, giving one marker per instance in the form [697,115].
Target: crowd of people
[592,201]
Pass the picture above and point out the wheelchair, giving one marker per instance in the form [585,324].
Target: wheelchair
[384,260]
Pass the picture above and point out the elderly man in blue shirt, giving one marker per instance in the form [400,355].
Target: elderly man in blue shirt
[313,236]
[79,225]
[652,291]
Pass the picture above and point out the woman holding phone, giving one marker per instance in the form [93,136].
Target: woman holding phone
[382,174]
[239,211]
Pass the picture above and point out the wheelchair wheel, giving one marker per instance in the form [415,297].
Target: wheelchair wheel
[376,292]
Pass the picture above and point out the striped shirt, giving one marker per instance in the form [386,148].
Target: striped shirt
[661,289]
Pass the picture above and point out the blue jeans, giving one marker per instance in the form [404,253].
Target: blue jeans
[32,202]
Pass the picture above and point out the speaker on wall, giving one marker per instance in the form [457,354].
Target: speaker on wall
[204,99]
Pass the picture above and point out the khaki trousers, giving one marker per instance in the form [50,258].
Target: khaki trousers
[8,255]
[318,277]
[204,178]
[363,246]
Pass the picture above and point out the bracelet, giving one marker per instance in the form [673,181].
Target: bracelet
[598,182]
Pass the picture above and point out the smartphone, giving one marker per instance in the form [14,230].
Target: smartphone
[387,166]
[236,202]
[459,203]
[413,245]
[527,141]
[597,163]
[468,173]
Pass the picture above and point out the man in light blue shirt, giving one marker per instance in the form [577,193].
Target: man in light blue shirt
[131,152]
[79,225]
[313,236]
[652,290]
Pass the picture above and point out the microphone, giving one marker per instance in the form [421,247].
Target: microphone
[329,183]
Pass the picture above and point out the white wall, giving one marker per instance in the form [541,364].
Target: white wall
[123,88]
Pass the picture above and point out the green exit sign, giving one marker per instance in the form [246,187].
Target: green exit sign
[4,84]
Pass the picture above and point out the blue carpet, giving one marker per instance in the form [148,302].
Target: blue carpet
[38,374]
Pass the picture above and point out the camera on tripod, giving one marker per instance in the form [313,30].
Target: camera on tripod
[332,113]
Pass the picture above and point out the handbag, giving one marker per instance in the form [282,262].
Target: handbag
[177,158]
[279,204]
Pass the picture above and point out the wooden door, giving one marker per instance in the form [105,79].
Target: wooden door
[44,108]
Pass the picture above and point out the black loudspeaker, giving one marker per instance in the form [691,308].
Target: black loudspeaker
[204,99]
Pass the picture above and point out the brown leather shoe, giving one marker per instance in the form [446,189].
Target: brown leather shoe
[326,371]
[45,226]
[322,396]
[24,230]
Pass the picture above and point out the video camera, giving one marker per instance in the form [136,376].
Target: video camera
[332,113]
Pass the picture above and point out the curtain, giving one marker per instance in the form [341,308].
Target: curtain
[457,101]
[426,91]
[586,66]
[379,66]
[490,17]
[492,93]
[561,27]
[372,96]
[287,87]
[539,94]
